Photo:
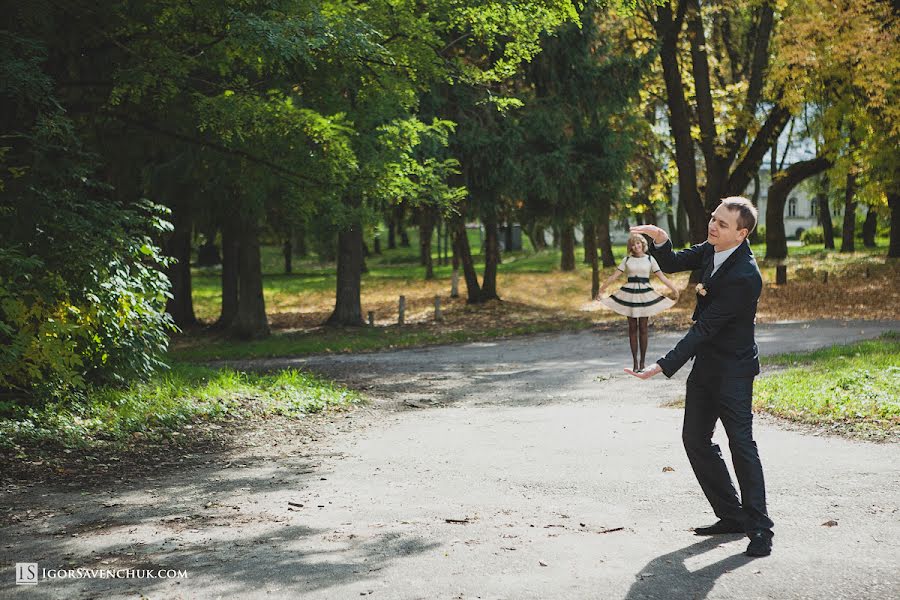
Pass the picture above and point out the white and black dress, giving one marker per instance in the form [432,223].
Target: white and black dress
[636,298]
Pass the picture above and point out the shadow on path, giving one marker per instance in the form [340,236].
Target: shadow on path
[667,576]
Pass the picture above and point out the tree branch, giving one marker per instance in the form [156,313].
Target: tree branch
[700,70]
[771,129]
[757,70]
[284,172]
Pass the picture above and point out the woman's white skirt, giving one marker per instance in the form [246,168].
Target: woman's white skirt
[637,300]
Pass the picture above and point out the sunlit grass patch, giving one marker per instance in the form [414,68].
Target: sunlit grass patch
[852,388]
[183,397]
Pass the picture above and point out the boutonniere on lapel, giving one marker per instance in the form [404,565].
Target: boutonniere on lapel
[701,289]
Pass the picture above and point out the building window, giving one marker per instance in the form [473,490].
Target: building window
[792,207]
[814,208]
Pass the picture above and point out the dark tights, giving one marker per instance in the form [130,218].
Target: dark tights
[636,326]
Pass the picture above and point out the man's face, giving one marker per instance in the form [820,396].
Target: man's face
[723,231]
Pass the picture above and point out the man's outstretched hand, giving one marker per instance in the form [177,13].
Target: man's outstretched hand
[647,373]
[659,235]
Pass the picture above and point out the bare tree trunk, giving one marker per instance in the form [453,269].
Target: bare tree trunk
[454,290]
[590,249]
[404,237]
[603,241]
[250,321]
[446,246]
[178,246]
[347,305]
[392,233]
[287,249]
[590,241]
[673,228]
[870,227]
[535,233]
[491,259]
[230,281]
[894,204]
[567,247]
[849,230]
[650,213]
[464,254]
[754,236]
[825,218]
[776,239]
[682,226]
[426,229]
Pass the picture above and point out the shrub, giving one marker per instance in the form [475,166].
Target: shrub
[813,235]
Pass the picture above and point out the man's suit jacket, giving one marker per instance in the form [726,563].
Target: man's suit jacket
[722,337]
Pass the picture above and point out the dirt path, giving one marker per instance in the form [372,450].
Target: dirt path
[524,468]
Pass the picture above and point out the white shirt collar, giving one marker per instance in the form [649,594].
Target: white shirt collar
[720,257]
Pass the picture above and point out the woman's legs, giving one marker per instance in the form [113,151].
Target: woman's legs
[633,338]
[643,324]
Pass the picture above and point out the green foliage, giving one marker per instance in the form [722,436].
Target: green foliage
[813,235]
[65,324]
[82,297]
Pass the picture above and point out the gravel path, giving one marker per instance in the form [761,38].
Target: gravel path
[522,468]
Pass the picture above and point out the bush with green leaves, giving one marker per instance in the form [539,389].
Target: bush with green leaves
[70,319]
[82,292]
[813,235]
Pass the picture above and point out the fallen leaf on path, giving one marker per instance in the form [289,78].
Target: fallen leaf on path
[458,521]
[668,469]
[542,563]
[831,523]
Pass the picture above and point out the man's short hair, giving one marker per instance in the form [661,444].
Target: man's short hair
[747,213]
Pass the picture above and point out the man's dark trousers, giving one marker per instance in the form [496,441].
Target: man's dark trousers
[711,397]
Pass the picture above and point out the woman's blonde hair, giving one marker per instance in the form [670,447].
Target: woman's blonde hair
[641,239]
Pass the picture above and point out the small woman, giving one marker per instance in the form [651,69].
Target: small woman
[636,299]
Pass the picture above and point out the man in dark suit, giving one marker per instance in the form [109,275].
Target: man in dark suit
[720,386]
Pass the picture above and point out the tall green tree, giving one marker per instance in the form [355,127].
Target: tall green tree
[579,122]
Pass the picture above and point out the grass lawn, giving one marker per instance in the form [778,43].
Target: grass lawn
[185,400]
[853,389]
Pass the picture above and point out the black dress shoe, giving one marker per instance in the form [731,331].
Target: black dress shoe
[760,545]
[720,527]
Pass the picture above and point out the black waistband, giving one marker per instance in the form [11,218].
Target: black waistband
[638,280]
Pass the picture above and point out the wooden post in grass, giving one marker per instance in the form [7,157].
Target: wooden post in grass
[400,318]
[371,318]
[780,274]
[437,309]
